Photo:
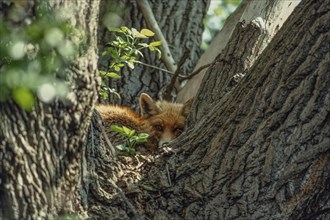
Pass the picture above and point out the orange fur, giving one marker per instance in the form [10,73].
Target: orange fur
[162,120]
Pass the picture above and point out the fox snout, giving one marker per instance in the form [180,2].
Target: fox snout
[168,135]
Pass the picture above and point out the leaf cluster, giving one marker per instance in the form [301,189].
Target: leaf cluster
[34,58]
[132,139]
[124,50]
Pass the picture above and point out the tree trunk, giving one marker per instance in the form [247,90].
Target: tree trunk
[258,150]
[181,23]
[264,19]
[263,150]
[41,150]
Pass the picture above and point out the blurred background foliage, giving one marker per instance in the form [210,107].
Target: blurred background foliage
[215,18]
[34,55]
[35,50]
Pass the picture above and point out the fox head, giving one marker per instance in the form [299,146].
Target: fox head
[166,119]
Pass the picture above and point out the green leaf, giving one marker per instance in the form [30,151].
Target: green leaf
[102,73]
[130,64]
[139,52]
[117,68]
[159,53]
[104,94]
[147,32]
[151,48]
[143,135]
[117,129]
[119,39]
[121,147]
[143,44]
[113,75]
[127,131]
[125,29]
[24,98]
[138,34]
[156,43]
[140,138]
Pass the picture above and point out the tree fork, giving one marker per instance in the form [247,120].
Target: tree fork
[261,151]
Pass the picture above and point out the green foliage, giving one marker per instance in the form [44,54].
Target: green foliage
[132,139]
[124,50]
[34,58]
[216,17]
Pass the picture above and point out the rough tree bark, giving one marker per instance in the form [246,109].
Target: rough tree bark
[263,150]
[182,25]
[256,150]
[265,18]
[40,150]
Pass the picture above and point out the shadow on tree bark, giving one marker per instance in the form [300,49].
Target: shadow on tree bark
[257,149]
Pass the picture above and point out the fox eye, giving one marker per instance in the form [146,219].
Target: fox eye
[159,127]
[178,131]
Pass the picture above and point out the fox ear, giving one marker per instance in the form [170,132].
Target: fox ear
[187,106]
[147,106]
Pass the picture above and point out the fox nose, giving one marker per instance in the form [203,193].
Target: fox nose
[165,144]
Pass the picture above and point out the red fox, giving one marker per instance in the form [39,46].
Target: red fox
[162,120]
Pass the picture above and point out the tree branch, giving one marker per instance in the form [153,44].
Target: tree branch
[152,24]
[174,79]
[158,68]
[195,72]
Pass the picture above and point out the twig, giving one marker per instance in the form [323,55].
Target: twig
[195,72]
[168,176]
[181,77]
[158,68]
[152,23]
[112,149]
[174,79]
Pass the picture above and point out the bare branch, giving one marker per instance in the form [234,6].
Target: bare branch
[195,72]
[152,24]
[174,79]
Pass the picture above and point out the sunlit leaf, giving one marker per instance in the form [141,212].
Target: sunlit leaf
[147,32]
[156,43]
[113,75]
[143,44]
[139,52]
[130,64]
[151,48]
[102,73]
[121,147]
[138,34]
[143,135]
[127,130]
[117,68]
[159,53]
[117,128]
[24,98]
